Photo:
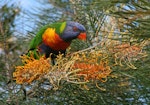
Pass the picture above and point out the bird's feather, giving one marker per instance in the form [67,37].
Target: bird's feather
[37,40]
[55,38]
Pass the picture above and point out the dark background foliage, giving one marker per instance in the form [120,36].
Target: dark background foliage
[104,20]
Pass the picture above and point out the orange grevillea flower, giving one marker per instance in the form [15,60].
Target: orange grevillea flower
[125,53]
[33,69]
[93,71]
[127,49]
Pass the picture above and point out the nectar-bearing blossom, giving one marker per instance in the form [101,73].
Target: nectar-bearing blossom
[93,71]
[33,69]
[80,68]
[126,53]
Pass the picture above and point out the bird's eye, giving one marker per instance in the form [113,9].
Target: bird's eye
[75,29]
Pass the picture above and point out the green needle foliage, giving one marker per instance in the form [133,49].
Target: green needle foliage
[119,29]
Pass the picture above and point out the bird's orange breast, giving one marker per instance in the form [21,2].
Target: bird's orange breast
[53,40]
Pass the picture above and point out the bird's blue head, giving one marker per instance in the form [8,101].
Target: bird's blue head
[73,30]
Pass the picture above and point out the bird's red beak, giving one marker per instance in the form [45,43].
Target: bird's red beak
[82,36]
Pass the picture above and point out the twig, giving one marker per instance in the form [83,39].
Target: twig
[87,49]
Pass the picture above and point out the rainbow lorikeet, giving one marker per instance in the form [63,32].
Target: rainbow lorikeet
[56,38]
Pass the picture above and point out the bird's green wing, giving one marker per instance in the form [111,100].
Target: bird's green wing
[37,40]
